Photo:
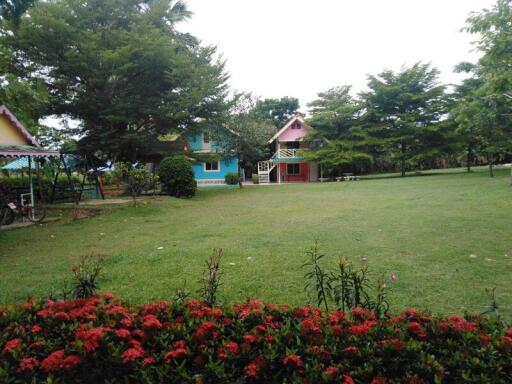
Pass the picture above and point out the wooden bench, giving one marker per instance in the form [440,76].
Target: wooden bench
[350,177]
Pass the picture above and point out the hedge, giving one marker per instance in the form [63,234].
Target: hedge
[101,339]
[177,176]
[232,178]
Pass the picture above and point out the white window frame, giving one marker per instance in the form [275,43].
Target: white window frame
[211,170]
[292,174]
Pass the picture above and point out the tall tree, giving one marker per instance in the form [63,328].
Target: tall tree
[120,67]
[278,111]
[467,113]
[334,113]
[401,107]
[27,99]
[488,105]
[13,9]
[248,132]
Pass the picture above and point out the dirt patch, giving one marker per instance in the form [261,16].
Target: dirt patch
[82,213]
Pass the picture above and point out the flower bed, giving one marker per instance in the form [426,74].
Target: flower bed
[100,339]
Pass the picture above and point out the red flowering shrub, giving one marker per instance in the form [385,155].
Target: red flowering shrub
[100,339]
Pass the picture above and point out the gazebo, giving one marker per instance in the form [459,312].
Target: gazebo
[17,142]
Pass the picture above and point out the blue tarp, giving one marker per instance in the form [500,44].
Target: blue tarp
[16,165]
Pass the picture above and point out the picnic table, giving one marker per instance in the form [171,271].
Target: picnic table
[349,177]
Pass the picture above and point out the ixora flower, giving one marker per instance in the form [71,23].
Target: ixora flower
[412,312]
[251,370]
[132,354]
[331,371]
[293,361]
[204,330]
[415,327]
[176,354]
[151,322]
[123,333]
[250,338]
[232,347]
[351,350]
[91,337]
[11,345]
[362,313]
[28,364]
[361,329]
[267,345]
[58,360]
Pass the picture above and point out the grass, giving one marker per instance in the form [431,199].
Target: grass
[447,237]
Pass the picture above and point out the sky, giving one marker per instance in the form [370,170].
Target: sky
[276,48]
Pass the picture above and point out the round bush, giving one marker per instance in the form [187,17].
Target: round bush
[231,178]
[177,177]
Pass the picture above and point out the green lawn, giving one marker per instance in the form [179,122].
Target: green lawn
[424,229]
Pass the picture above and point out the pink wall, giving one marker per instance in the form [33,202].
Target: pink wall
[293,134]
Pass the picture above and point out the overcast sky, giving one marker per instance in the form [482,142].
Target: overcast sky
[298,48]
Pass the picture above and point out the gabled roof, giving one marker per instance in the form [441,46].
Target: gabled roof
[292,120]
[31,146]
[19,127]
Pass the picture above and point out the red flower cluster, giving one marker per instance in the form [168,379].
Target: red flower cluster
[132,354]
[364,314]
[361,329]
[293,361]
[28,364]
[59,360]
[91,337]
[253,308]
[253,343]
[207,329]
[11,345]
[151,322]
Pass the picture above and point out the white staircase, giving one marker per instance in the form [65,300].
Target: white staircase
[264,169]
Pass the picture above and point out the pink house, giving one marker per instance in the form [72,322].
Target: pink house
[288,164]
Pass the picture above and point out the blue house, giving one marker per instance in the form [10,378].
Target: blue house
[209,161]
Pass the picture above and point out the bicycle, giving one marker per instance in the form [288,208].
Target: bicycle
[26,208]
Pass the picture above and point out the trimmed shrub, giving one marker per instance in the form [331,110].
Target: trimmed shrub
[255,178]
[100,339]
[177,176]
[231,178]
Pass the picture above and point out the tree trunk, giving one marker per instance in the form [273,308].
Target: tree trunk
[468,158]
[490,160]
[240,176]
[402,149]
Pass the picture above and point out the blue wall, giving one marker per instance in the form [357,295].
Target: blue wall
[227,165]
[196,143]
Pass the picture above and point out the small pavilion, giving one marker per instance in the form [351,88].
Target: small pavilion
[16,142]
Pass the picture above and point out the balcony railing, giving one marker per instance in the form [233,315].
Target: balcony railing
[288,153]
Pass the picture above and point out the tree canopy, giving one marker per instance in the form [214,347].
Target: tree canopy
[278,111]
[118,66]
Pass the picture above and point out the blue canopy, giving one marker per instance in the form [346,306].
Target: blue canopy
[16,165]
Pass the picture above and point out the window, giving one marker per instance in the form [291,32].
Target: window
[211,166]
[293,169]
[296,125]
[206,137]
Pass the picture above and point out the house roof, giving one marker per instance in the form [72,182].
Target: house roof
[18,126]
[30,148]
[26,150]
[292,120]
